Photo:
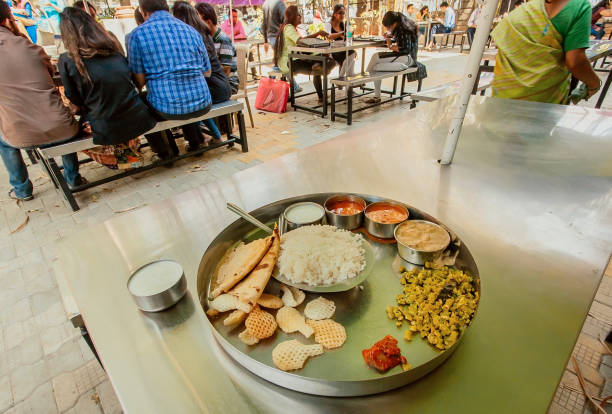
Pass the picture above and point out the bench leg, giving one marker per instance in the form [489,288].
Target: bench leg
[349,106]
[394,85]
[333,104]
[242,129]
[402,87]
[63,185]
[31,156]
[45,166]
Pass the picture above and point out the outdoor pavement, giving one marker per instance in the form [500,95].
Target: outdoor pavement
[45,365]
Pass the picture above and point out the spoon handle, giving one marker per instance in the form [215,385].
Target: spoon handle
[245,215]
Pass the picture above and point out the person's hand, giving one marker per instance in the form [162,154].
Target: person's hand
[593,89]
[394,48]
[322,33]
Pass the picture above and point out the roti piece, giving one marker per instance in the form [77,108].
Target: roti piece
[270,301]
[291,320]
[227,302]
[319,309]
[260,323]
[328,333]
[235,318]
[292,296]
[247,337]
[239,262]
[251,288]
[290,355]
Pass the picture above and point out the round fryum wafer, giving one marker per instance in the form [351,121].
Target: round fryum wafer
[292,296]
[290,355]
[291,320]
[320,308]
[328,333]
[260,323]
[247,337]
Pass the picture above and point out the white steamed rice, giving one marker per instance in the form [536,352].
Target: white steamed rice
[321,255]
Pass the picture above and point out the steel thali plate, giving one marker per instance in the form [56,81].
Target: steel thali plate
[361,310]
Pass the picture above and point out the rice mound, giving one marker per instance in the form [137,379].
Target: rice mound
[321,255]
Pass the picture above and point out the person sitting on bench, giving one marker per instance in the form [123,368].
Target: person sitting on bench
[335,28]
[31,110]
[218,84]
[174,72]
[446,27]
[403,49]
[97,80]
[288,36]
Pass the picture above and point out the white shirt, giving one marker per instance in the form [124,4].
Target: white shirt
[474,16]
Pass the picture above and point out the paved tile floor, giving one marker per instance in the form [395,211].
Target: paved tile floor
[45,366]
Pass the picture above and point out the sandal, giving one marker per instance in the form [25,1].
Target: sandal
[13,196]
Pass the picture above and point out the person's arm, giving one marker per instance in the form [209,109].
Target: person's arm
[579,66]
[71,89]
[204,61]
[53,6]
[472,19]
[136,63]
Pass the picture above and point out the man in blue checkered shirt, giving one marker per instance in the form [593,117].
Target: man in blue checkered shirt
[169,57]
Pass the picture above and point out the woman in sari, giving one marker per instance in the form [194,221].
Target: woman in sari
[540,46]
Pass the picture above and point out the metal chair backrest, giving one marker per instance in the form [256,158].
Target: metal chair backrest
[242,63]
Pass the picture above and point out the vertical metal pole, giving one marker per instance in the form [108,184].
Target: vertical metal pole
[231,19]
[485,21]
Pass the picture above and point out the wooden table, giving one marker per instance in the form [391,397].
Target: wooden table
[319,54]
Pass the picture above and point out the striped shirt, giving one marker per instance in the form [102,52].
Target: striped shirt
[173,58]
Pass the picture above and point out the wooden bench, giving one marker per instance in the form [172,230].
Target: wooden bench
[445,36]
[351,82]
[48,154]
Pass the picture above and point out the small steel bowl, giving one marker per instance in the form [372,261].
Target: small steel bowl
[289,225]
[166,293]
[343,221]
[418,257]
[382,230]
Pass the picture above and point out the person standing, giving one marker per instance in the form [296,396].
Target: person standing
[169,57]
[540,45]
[447,25]
[411,12]
[52,9]
[273,16]
[473,22]
[32,113]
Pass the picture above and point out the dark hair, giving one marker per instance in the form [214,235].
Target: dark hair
[80,4]
[337,8]
[5,11]
[84,38]
[291,15]
[602,3]
[235,11]
[186,13]
[443,4]
[207,12]
[151,6]
[409,6]
[138,16]
[423,9]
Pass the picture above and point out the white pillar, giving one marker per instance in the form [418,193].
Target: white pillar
[469,77]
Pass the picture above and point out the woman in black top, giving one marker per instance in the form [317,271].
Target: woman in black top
[335,28]
[218,84]
[403,45]
[97,80]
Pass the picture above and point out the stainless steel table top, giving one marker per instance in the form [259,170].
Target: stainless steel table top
[530,193]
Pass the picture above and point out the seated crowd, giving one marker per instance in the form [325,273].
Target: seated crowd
[184,62]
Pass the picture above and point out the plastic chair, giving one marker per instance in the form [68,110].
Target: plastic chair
[242,63]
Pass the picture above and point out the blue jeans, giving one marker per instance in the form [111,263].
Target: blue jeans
[18,172]
[212,127]
[599,32]
[439,29]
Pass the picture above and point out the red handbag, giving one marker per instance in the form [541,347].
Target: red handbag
[272,95]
